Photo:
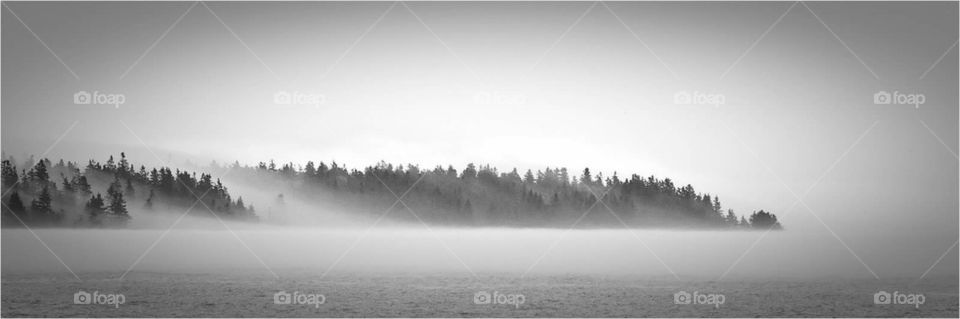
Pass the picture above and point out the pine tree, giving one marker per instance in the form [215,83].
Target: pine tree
[15,205]
[39,172]
[240,203]
[67,186]
[122,166]
[764,220]
[310,170]
[585,179]
[42,204]
[83,186]
[731,218]
[470,172]
[118,206]
[451,172]
[95,209]
[10,177]
[95,204]
[528,177]
[25,179]
[564,177]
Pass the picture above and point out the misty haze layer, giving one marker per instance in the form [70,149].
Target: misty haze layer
[689,254]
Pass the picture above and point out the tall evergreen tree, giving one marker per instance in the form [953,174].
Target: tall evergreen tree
[240,203]
[310,170]
[83,186]
[95,208]
[470,172]
[9,173]
[39,172]
[117,206]
[15,206]
[764,220]
[731,218]
[586,179]
[528,177]
[42,205]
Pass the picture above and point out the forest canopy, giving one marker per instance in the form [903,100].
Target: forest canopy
[484,196]
[102,194]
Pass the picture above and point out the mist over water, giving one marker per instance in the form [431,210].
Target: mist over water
[690,254]
[313,237]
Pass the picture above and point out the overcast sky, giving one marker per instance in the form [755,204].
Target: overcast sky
[523,85]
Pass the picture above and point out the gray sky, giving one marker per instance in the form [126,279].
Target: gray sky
[576,88]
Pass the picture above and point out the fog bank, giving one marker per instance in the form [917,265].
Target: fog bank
[689,254]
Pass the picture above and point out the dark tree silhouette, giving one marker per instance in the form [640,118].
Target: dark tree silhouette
[15,206]
[42,207]
[95,206]
[479,195]
[764,220]
[10,177]
[39,172]
[76,205]
[83,186]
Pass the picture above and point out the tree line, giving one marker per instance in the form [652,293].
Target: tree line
[475,196]
[483,196]
[99,195]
